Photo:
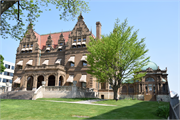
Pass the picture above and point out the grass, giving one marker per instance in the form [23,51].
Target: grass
[67,99]
[36,109]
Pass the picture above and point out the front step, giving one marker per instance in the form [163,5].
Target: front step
[18,95]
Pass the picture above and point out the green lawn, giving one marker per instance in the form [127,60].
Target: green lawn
[36,109]
[67,99]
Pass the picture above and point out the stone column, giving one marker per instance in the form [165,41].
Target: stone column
[139,88]
[56,80]
[46,79]
[34,82]
[24,83]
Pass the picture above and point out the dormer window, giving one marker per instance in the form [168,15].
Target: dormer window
[49,45]
[71,64]
[27,45]
[24,46]
[84,39]
[78,46]
[30,51]
[79,39]
[60,49]
[74,40]
[31,45]
[61,43]
[47,50]
[84,63]
[73,46]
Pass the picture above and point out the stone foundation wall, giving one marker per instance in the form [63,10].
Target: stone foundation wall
[106,95]
[165,98]
[138,97]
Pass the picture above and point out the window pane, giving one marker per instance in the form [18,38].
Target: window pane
[84,63]
[72,64]
[73,46]
[79,39]
[12,67]
[0,79]
[11,74]
[74,40]
[84,39]
[61,43]
[4,80]
[31,45]
[78,46]
[10,81]
[83,45]
[27,45]
[5,73]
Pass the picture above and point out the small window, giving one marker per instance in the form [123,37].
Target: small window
[4,80]
[78,46]
[31,45]
[72,64]
[24,46]
[84,63]
[74,40]
[11,74]
[27,45]
[83,85]
[20,67]
[12,67]
[10,81]
[83,45]
[30,51]
[73,46]
[27,51]
[60,49]
[84,39]
[49,45]
[61,43]
[47,51]
[7,66]
[5,73]
[79,39]
[23,51]
[0,79]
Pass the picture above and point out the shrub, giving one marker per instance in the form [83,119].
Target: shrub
[163,111]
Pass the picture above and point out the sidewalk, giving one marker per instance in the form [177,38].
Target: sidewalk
[89,102]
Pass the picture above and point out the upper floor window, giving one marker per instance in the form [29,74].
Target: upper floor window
[4,80]
[7,66]
[31,45]
[149,79]
[20,67]
[27,45]
[47,51]
[74,40]
[61,43]
[78,46]
[5,73]
[84,39]
[79,39]
[12,67]
[11,74]
[24,46]
[71,64]
[49,45]
[84,63]
[60,49]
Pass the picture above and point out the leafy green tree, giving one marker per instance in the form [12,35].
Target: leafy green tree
[1,64]
[20,11]
[117,56]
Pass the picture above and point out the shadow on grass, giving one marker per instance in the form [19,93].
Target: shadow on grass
[139,110]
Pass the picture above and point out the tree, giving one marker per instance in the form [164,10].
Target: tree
[2,64]
[117,56]
[16,11]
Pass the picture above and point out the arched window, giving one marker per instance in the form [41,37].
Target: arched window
[149,79]
[124,89]
[130,89]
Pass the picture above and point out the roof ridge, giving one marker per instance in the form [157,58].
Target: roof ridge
[56,33]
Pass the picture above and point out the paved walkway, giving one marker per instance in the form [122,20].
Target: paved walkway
[89,102]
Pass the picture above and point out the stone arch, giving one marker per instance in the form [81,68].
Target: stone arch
[61,80]
[51,80]
[30,82]
[39,80]
[124,89]
[130,89]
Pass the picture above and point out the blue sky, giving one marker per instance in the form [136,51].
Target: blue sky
[157,21]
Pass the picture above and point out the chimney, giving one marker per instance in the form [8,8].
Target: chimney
[98,30]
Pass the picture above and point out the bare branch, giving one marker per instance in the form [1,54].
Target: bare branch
[6,5]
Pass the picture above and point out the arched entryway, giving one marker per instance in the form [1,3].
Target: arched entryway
[51,80]
[60,81]
[30,83]
[150,89]
[39,81]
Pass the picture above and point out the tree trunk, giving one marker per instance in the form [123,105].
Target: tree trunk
[115,93]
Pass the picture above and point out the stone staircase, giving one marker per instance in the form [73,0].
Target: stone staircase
[17,95]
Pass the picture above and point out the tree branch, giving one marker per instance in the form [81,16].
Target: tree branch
[6,5]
